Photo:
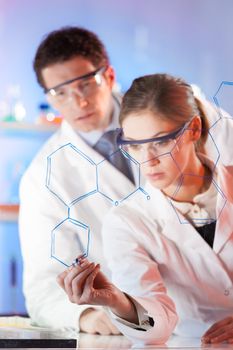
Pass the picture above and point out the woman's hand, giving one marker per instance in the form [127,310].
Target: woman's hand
[86,284]
[221,331]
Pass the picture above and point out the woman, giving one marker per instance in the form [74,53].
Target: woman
[170,256]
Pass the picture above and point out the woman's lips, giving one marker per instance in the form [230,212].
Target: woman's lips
[155,176]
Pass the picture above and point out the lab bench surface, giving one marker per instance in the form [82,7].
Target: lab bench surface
[89,341]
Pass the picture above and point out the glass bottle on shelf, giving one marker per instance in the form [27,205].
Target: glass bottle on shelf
[47,115]
[12,108]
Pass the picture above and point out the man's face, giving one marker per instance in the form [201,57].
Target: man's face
[84,112]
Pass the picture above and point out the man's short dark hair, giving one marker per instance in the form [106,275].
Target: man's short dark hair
[67,43]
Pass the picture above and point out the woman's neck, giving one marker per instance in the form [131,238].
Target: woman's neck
[193,181]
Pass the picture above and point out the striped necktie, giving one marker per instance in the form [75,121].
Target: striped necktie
[106,146]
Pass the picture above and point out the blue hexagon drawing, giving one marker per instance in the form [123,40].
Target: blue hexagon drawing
[132,164]
[223,99]
[56,181]
[195,219]
[74,236]
[210,146]
[224,126]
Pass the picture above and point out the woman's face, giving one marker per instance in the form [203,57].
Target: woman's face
[161,163]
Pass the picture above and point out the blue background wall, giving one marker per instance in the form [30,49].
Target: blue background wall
[190,38]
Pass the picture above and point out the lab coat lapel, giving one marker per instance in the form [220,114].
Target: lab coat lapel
[179,230]
[172,225]
[186,233]
[73,138]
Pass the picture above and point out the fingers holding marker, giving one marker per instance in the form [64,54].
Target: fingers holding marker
[75,279]
[78,283]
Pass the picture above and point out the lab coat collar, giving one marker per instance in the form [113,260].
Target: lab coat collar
[92,137]
[77,141]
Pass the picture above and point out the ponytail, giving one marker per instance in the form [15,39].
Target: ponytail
[200,145]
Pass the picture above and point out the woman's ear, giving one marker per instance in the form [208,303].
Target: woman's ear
[195,128]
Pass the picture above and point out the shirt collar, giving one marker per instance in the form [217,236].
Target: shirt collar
[92,137]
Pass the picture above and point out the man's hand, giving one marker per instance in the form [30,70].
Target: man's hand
[97,322]
[220,332]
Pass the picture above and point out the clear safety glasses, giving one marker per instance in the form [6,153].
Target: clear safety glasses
[84,86]
[147,149]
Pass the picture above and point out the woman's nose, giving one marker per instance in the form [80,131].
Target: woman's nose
[153,161]
[150,154]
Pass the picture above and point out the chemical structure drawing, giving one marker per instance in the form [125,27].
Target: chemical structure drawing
[223,99]
[207,177]
[103,180]
[199,216]
[55,183]
[97,182]
[224,124]
[78,238]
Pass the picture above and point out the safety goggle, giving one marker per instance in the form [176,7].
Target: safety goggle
[85,87]
[147,149]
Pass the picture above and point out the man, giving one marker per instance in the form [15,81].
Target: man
[73,68]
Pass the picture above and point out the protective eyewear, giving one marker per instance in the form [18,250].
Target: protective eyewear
[86,85]
[144,150]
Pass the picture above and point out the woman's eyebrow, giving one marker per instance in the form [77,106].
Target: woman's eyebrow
[153,136]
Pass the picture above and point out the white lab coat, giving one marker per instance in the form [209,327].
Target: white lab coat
[148,249]
[41,211]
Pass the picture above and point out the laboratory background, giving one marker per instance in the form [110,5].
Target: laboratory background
[187,38]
